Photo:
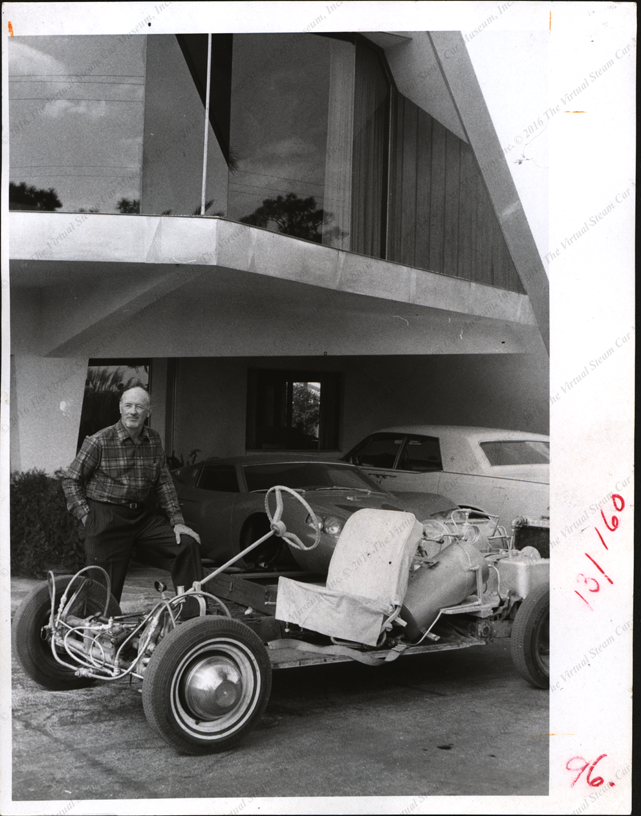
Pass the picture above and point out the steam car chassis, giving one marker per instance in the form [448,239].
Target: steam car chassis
[206,681]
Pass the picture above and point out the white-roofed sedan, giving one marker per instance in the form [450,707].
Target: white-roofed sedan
[498,471]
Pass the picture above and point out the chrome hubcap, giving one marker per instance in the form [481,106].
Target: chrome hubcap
[213,687]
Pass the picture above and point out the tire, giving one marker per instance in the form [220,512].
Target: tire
[265,555]
[34,652]
[530,639]
[207,649]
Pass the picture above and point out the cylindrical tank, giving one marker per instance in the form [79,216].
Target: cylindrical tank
[447,583]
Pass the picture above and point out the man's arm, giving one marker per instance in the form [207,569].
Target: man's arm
[76,476]
[168,499]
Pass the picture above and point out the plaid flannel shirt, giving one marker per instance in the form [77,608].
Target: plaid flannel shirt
[111,467]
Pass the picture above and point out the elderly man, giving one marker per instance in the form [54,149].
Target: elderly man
[110,487]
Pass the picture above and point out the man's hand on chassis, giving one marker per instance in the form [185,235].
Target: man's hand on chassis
[182,529]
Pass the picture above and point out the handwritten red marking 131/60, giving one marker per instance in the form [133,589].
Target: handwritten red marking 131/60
[581,766]
[591,583]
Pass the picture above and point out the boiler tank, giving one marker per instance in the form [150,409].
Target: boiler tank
[448,582]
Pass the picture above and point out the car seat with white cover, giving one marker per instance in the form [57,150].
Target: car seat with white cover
[366,580]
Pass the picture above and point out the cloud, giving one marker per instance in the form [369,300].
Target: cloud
[291,158]
[294,147]
[24,59]
[66,107]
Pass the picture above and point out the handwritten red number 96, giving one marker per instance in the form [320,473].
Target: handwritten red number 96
[593,783]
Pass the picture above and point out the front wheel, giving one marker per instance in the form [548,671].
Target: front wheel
[530,639]
[207,685]
[32,640]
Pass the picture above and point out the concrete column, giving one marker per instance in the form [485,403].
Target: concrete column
[46,405]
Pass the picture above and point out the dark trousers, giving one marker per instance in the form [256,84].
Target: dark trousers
[112,531]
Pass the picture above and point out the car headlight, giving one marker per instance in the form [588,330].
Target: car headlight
[328,524]
[332,525]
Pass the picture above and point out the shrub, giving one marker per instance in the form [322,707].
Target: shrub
[44,535]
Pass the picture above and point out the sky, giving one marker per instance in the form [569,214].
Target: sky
[515,88]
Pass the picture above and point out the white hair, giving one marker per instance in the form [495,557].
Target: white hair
[136,388]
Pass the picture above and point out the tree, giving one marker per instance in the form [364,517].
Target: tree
[103,389]
[208,204]
[126,205]
[27,197]
[293,216]
[306,409]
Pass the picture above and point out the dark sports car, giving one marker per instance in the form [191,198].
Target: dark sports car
[224,501]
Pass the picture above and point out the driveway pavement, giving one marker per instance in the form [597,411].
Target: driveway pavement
[458,722]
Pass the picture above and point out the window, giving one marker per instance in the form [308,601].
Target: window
[292,410]
[291,95]
[421,453]
[519,452]
[392,450]
[106,380]
[186,475]
[221,478]
[306,476]
[77,112]
[379,450]
[175,91]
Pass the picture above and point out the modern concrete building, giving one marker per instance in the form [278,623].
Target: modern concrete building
[361,232]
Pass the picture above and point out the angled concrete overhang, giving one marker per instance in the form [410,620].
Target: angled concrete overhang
[94,272]
[418,76]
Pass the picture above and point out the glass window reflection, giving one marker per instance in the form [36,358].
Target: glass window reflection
[76,122]
[279,133]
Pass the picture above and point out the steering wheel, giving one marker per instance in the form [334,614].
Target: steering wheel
[278,527]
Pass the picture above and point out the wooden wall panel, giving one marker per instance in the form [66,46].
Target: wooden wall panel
[467,214]
[452,195]
[484,233]
[441,217]
[408,182]
[437,198]
[423,188]
[395,193]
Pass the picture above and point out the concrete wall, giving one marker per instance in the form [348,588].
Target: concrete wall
[208,411]
[45,411]
[508,391]
[46,394]
[211,399]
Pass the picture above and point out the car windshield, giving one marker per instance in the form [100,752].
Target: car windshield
[517,452]
[307,476]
